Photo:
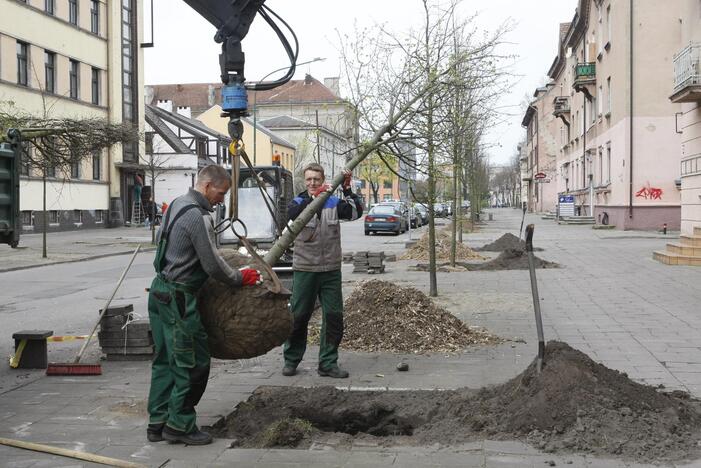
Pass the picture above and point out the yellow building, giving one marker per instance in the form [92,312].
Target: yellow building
[266,142]
[78,59]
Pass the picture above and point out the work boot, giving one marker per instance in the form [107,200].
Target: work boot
[333,372]
[154,432]
[195,437]
[289,371]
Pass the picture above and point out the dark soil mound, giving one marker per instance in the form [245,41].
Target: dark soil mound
[510,259]
[506,242]
[574,405]
[381,316]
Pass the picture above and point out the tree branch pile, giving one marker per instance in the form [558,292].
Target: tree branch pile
[420,250]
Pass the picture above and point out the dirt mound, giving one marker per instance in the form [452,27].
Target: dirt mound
[419,251]
[381,316]
[510,259]
[574,405]
[506,242]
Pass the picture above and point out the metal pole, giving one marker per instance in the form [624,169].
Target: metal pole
[536,297]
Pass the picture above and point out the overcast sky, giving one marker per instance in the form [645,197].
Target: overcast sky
[185,52]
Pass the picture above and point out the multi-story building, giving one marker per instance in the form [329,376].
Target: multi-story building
[541,151]
[687,92]
[309,114]
[618,147]
[75,59]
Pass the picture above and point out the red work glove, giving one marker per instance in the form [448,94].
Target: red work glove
[347,178]
[322,189]
[250,277]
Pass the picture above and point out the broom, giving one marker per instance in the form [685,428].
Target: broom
[76,367]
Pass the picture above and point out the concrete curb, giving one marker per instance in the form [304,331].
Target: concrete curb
[75,260]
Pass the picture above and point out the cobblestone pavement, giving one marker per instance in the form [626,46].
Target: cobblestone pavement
[609,299]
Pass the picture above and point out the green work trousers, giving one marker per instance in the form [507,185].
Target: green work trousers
[180,367]
[306,287]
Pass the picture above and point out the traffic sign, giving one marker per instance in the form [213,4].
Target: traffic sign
[540,175]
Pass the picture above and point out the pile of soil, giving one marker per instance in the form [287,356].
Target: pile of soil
[419,251]
[574,405]
[510,259]
[506,242]
[382,316]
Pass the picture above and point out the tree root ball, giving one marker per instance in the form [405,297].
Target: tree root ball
[244,322]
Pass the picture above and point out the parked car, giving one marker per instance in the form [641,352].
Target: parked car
[422,211]
[385,218]
[440,210]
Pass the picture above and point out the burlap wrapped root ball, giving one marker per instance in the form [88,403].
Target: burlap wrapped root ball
[243,322]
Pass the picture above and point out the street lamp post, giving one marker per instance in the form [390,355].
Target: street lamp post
[255,98]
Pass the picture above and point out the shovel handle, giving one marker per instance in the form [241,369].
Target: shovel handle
[529,237]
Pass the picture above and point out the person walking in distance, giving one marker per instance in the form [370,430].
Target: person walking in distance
[186,256]
[316,265]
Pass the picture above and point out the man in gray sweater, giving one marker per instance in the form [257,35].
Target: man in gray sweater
[186,256]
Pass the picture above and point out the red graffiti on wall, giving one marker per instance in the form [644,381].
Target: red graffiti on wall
[650,193]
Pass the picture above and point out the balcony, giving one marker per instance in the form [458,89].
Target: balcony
[687,76]
[584,74]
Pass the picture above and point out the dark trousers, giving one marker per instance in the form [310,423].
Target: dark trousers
[306,287]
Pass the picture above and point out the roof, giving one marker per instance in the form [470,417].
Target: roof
[285,121]
[530,112]
[559,61]
[278,140]
[165,132]
[307,90]
[190,125]
[201,96]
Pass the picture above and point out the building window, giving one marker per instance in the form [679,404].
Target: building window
[387,197]
[608,25]
[95,17]
[129,85]
[73,11]
[50,71]
[95,85]
[73,78]
[49,6]
[99,216]
[387,184]
[77,216]
[608,163]
[600,109]
[53,216]
[27,218]
[608,95]
[75,170]
[50,170]
[22,61]
[601,165]
[96,166]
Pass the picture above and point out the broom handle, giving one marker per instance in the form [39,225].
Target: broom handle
[91,457]
[107,304]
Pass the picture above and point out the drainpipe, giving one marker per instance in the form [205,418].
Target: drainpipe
[630,143]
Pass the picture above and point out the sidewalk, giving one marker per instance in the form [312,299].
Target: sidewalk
[610,300]
[73,246]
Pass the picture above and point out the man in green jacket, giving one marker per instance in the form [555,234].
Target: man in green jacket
[186,256]
[316,268]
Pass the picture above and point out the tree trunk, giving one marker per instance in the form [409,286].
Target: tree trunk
[46,218]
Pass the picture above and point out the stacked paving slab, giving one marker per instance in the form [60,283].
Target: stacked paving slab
[368,262]
[123,337]
[685,252]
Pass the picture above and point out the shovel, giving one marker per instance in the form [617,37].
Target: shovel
[536,297]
